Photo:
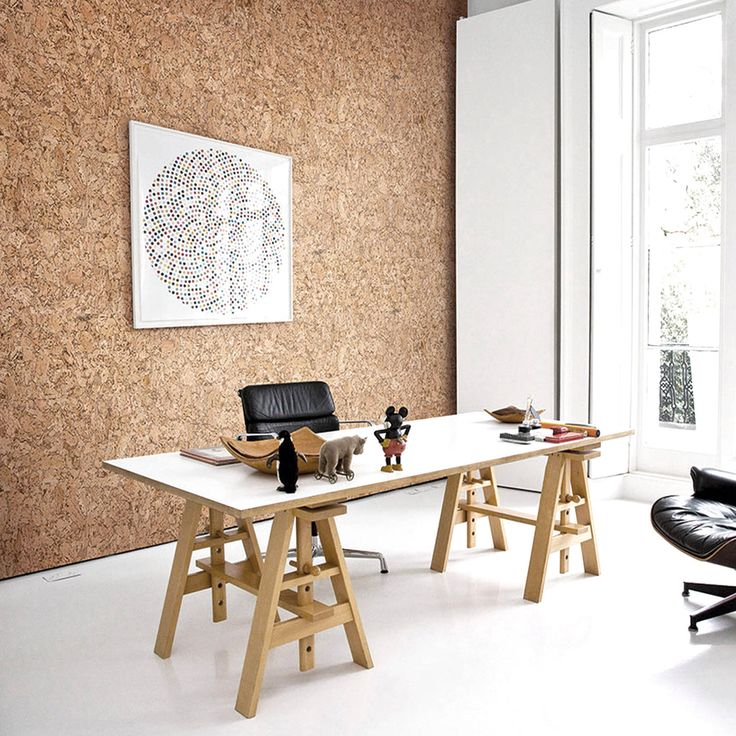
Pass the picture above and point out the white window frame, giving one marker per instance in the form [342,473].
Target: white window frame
[648,459]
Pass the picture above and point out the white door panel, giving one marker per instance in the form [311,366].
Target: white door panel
[611,253]
[506,210]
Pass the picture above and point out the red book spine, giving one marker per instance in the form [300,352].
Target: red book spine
[566,437]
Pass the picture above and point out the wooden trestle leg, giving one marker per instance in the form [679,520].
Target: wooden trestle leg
[250,546]
[252,550]
[214,569]
[305,593]
[542,544]
[456,512]
[177,580]
[565,487]
[343,589]
[275,589]
[490,493]
[261,630]
[219,590]
[565,493]
[446,523]
[584,514]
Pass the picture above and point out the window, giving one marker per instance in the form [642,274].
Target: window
[680,193]
[683,72]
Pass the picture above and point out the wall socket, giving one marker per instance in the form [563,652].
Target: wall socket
[52,577]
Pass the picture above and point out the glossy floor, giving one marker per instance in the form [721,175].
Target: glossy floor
[459,652]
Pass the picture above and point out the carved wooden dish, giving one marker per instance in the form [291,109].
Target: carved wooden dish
[509,414]
[256,453]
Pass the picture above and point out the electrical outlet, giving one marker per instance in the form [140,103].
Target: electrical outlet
[52,577]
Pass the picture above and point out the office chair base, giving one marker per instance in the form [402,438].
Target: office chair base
[364,554]
[356,553]
[727,605]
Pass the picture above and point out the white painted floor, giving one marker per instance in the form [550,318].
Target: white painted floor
[459,652]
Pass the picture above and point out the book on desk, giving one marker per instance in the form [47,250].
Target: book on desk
[216,455]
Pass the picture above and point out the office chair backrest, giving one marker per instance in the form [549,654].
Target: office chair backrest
[271,407]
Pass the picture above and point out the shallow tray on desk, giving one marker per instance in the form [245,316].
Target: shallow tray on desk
[256,452]
[509,414]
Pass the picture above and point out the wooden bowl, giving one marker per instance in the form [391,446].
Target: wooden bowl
[256,452]
[509,414]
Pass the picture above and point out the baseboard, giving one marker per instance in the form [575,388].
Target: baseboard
[606,488]
[603,488]
[648,487]
[644,487]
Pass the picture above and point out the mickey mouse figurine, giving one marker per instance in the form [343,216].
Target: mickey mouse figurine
[393,437]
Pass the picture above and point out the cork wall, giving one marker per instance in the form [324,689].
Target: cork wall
[359,92]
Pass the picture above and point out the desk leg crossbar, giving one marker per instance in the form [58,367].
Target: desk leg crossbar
[564,489]
[274,589]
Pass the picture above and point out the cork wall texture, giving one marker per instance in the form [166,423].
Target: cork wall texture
[359,92]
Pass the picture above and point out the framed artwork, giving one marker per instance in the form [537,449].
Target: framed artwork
[210,231]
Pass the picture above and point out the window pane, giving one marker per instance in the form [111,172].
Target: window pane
[684,291]
[683,206]
[682,225]
[684,72]
[680,410]
[682,229]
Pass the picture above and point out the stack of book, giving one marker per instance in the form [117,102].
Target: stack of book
[217,455]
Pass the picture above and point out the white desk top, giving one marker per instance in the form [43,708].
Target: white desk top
[436,448]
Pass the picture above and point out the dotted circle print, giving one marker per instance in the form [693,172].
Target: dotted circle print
[213,231]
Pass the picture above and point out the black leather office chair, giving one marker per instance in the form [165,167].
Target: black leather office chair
[703,526]
[270,408]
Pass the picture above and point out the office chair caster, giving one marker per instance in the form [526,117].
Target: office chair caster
[693,627]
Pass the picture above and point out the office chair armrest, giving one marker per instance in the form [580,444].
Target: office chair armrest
[358,421]
[716,485]
[256,435]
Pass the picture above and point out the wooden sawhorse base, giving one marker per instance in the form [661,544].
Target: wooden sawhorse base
[564,489]
[293,591]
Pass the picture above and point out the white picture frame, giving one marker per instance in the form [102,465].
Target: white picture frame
[210,231]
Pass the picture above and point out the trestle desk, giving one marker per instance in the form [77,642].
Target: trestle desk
[462,448]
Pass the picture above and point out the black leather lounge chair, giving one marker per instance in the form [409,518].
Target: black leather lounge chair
[703,526]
